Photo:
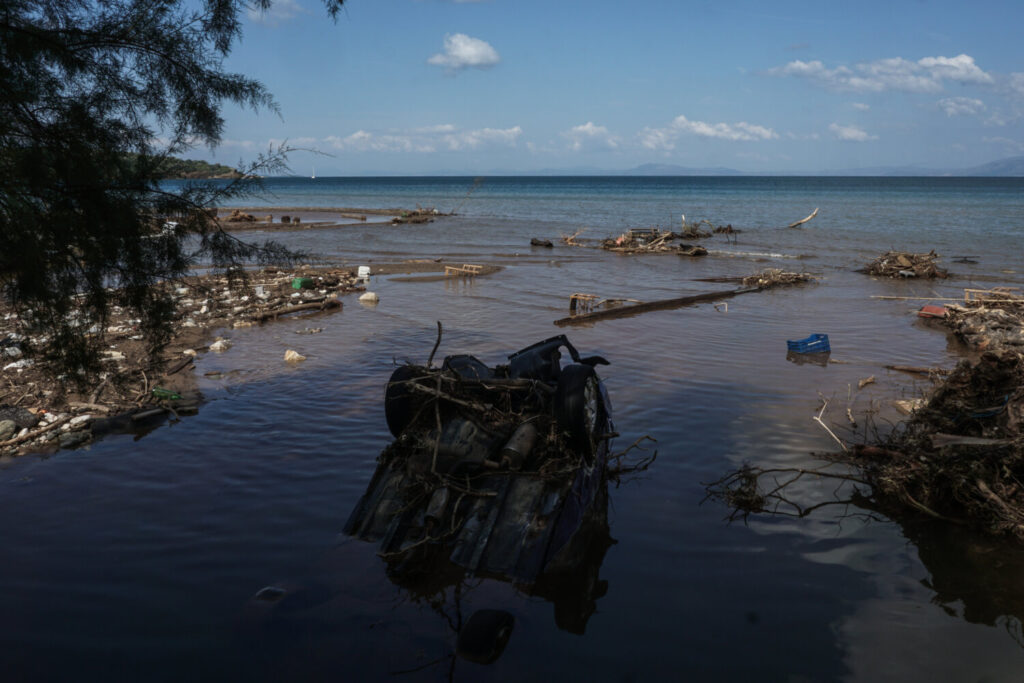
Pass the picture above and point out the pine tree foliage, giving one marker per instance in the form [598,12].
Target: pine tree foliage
[94,96]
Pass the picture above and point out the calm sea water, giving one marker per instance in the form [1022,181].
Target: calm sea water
[136,559]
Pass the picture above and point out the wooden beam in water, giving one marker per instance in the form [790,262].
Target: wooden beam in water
[662,305]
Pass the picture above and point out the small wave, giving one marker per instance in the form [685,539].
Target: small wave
[755,254]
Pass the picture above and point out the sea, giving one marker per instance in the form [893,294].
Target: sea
[139,557]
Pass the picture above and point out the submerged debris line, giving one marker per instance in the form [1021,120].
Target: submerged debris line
[757,282]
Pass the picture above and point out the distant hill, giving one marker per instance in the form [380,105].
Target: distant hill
[1011,167]
[174,168]
[1003,168]
[642,169]
[889,171]
[673,169]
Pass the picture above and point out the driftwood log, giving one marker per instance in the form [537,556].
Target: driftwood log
[31,435]
[803,220]
[661,305]
[325,305]
[917,369]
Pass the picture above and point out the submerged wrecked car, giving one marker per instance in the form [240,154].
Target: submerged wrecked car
[499,470]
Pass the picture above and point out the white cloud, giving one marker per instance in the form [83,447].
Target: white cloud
[440,128]
[424,139]
[960,69]
[292,142]
[240,144]
[461,51]
[925,75]
[725,131]
[999,119]
[803,136]
[851,133]
[658,138]
[961,106]
[665,138]
[588,133]
[280,11]
[1015,81]
[470,139]
[364,141]
[860,106]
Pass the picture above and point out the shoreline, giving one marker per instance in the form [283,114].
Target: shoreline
[142,389]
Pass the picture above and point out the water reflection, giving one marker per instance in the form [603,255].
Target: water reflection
[968,576]
[282,619]
[573,584]
[973,577]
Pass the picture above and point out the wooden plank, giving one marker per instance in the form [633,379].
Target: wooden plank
[465,270]
[662,305]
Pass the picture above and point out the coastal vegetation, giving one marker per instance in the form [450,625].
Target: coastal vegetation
[173,167]
[98,98]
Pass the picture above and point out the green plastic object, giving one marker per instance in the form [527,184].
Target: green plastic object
[302,283]
[166,394]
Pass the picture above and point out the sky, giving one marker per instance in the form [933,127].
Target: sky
[409,87]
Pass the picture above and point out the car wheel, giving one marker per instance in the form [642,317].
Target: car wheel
[400,402]
[578,408]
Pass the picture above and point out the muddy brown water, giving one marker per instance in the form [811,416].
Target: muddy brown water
[138,558]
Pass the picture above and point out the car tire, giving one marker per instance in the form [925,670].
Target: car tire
[400,402]
[578,408]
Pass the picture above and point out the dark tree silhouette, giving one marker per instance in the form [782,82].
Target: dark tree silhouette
[94,96]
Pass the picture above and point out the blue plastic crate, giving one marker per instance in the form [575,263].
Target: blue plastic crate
[816,343]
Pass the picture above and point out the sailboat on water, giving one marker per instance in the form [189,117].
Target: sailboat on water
[313,177]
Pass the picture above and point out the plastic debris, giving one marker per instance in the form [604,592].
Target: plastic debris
[166,394]
[816,343]
[220,345]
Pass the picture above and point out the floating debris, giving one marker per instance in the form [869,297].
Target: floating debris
[776,277]
[652,240]
[958,457]
[236,216]
[800,222]
[902,264]
[988,318]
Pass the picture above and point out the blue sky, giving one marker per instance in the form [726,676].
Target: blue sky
[426,86]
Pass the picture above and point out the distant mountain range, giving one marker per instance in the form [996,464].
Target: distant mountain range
[1010,167]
